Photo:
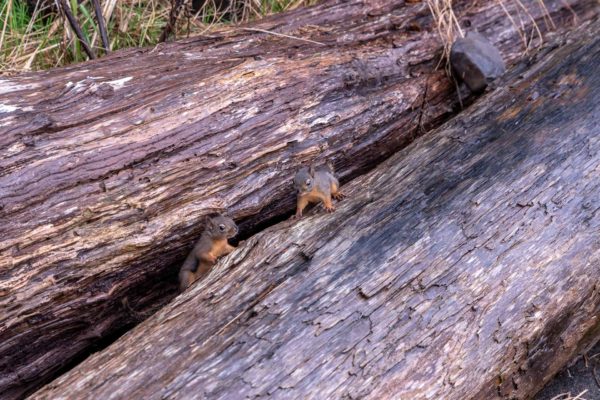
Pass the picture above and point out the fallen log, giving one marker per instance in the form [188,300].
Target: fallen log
[467,266]
[107,167]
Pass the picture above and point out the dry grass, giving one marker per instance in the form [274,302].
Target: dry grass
[568,396]
[42,39]
[449,29]
[446,22]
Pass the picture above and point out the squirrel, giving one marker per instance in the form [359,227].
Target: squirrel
[314,185]
[211,245]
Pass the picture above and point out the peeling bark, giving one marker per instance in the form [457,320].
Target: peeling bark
[467,266]
[107,167]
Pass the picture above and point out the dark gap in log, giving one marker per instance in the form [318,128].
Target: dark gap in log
[95,347]
[150,294]
[146,291]
[262,224]
[272,215]
[154,291]
[406,202]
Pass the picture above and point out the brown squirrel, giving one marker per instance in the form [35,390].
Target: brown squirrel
[314,185]
[211,245]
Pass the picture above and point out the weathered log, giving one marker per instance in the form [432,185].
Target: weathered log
[107,167]
[467,266]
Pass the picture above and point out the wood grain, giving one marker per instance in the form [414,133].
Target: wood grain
[467,266]
[108,167]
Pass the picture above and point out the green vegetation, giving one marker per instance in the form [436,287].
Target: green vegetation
[41,38]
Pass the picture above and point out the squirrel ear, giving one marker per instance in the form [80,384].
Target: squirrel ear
[311,171]
[208,223]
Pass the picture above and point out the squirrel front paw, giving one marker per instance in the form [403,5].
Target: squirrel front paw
[338,196]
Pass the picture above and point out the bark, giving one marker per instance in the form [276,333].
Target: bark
[467,266]
[107,167]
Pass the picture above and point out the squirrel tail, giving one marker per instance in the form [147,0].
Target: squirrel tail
[188,271]
[186,277]
[190,263]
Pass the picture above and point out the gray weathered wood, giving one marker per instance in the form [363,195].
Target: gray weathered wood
[107,167]
[467,266]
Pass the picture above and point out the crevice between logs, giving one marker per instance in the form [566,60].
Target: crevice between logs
[154,291]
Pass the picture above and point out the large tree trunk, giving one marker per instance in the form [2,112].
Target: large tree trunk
[107,167]
[465,267]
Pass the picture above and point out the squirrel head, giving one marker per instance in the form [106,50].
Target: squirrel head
[304,179]
[219,227]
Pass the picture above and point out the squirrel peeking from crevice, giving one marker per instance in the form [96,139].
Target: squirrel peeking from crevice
[211,245]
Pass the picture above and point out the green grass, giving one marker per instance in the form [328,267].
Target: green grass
[20,32]
[43,39]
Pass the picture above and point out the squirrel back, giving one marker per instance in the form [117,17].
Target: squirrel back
[308,178]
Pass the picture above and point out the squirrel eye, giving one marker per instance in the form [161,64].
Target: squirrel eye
[308,181]
[222,227]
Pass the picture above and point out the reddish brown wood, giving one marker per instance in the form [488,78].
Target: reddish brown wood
[107,167]
[465,267]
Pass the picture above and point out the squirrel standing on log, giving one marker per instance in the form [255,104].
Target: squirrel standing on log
[211,245]
[315,185]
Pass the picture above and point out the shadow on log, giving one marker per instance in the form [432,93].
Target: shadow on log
[467,266]
[107,167]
